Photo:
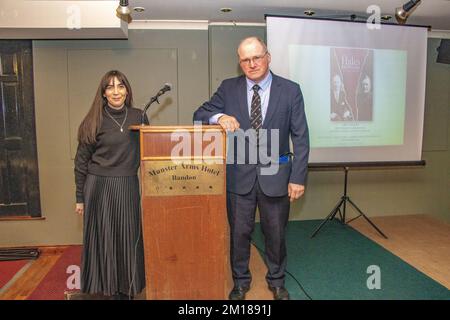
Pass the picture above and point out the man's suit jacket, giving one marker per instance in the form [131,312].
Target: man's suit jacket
[285,112]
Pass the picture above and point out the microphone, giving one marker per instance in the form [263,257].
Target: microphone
[167,87]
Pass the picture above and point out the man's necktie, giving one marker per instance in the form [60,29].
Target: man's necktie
[256,114]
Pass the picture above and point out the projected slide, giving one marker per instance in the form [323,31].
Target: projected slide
[354,98]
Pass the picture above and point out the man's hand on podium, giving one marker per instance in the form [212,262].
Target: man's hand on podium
[228,123]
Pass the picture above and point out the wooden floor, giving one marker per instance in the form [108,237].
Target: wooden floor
[420,240]
[24,284]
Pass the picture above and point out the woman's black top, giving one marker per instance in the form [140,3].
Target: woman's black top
[114,154]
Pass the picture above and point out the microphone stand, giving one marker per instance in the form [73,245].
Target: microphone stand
[153,99]
[167,87]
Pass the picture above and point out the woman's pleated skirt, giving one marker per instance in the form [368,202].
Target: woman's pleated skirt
[113,254]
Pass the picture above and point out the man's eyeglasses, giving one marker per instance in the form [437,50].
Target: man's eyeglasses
[255,60]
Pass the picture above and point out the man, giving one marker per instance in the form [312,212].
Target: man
[340,109]
[365,100]
[366,84]
[275,103]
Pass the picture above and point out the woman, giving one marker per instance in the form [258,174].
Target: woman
[107,191]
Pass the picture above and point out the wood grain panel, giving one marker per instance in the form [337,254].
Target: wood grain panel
[187,247]
[182,141]
[28,282]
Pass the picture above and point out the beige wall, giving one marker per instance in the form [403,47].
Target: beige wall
[196,62]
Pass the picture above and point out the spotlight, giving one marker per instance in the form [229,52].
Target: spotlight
[402,13]
[123,9]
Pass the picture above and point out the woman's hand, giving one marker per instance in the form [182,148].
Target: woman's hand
[79,208]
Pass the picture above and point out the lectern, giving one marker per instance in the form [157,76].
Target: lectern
[185,227]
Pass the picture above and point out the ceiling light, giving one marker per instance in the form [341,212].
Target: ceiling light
[123,8]
[139,9]
[402,13]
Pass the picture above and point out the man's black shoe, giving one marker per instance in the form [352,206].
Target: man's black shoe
[279,293]
[238,293]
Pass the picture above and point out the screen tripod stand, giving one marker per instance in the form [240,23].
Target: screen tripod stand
[340,208]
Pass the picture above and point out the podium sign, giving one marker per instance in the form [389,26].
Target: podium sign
[166,178]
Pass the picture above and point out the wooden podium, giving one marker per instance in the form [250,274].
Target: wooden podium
[185,227]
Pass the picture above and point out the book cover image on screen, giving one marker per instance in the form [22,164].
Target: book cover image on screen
[351,73]
[363,89]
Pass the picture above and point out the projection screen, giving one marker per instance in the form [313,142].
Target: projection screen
[363,89]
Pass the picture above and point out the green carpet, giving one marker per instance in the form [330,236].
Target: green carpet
[333,265]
